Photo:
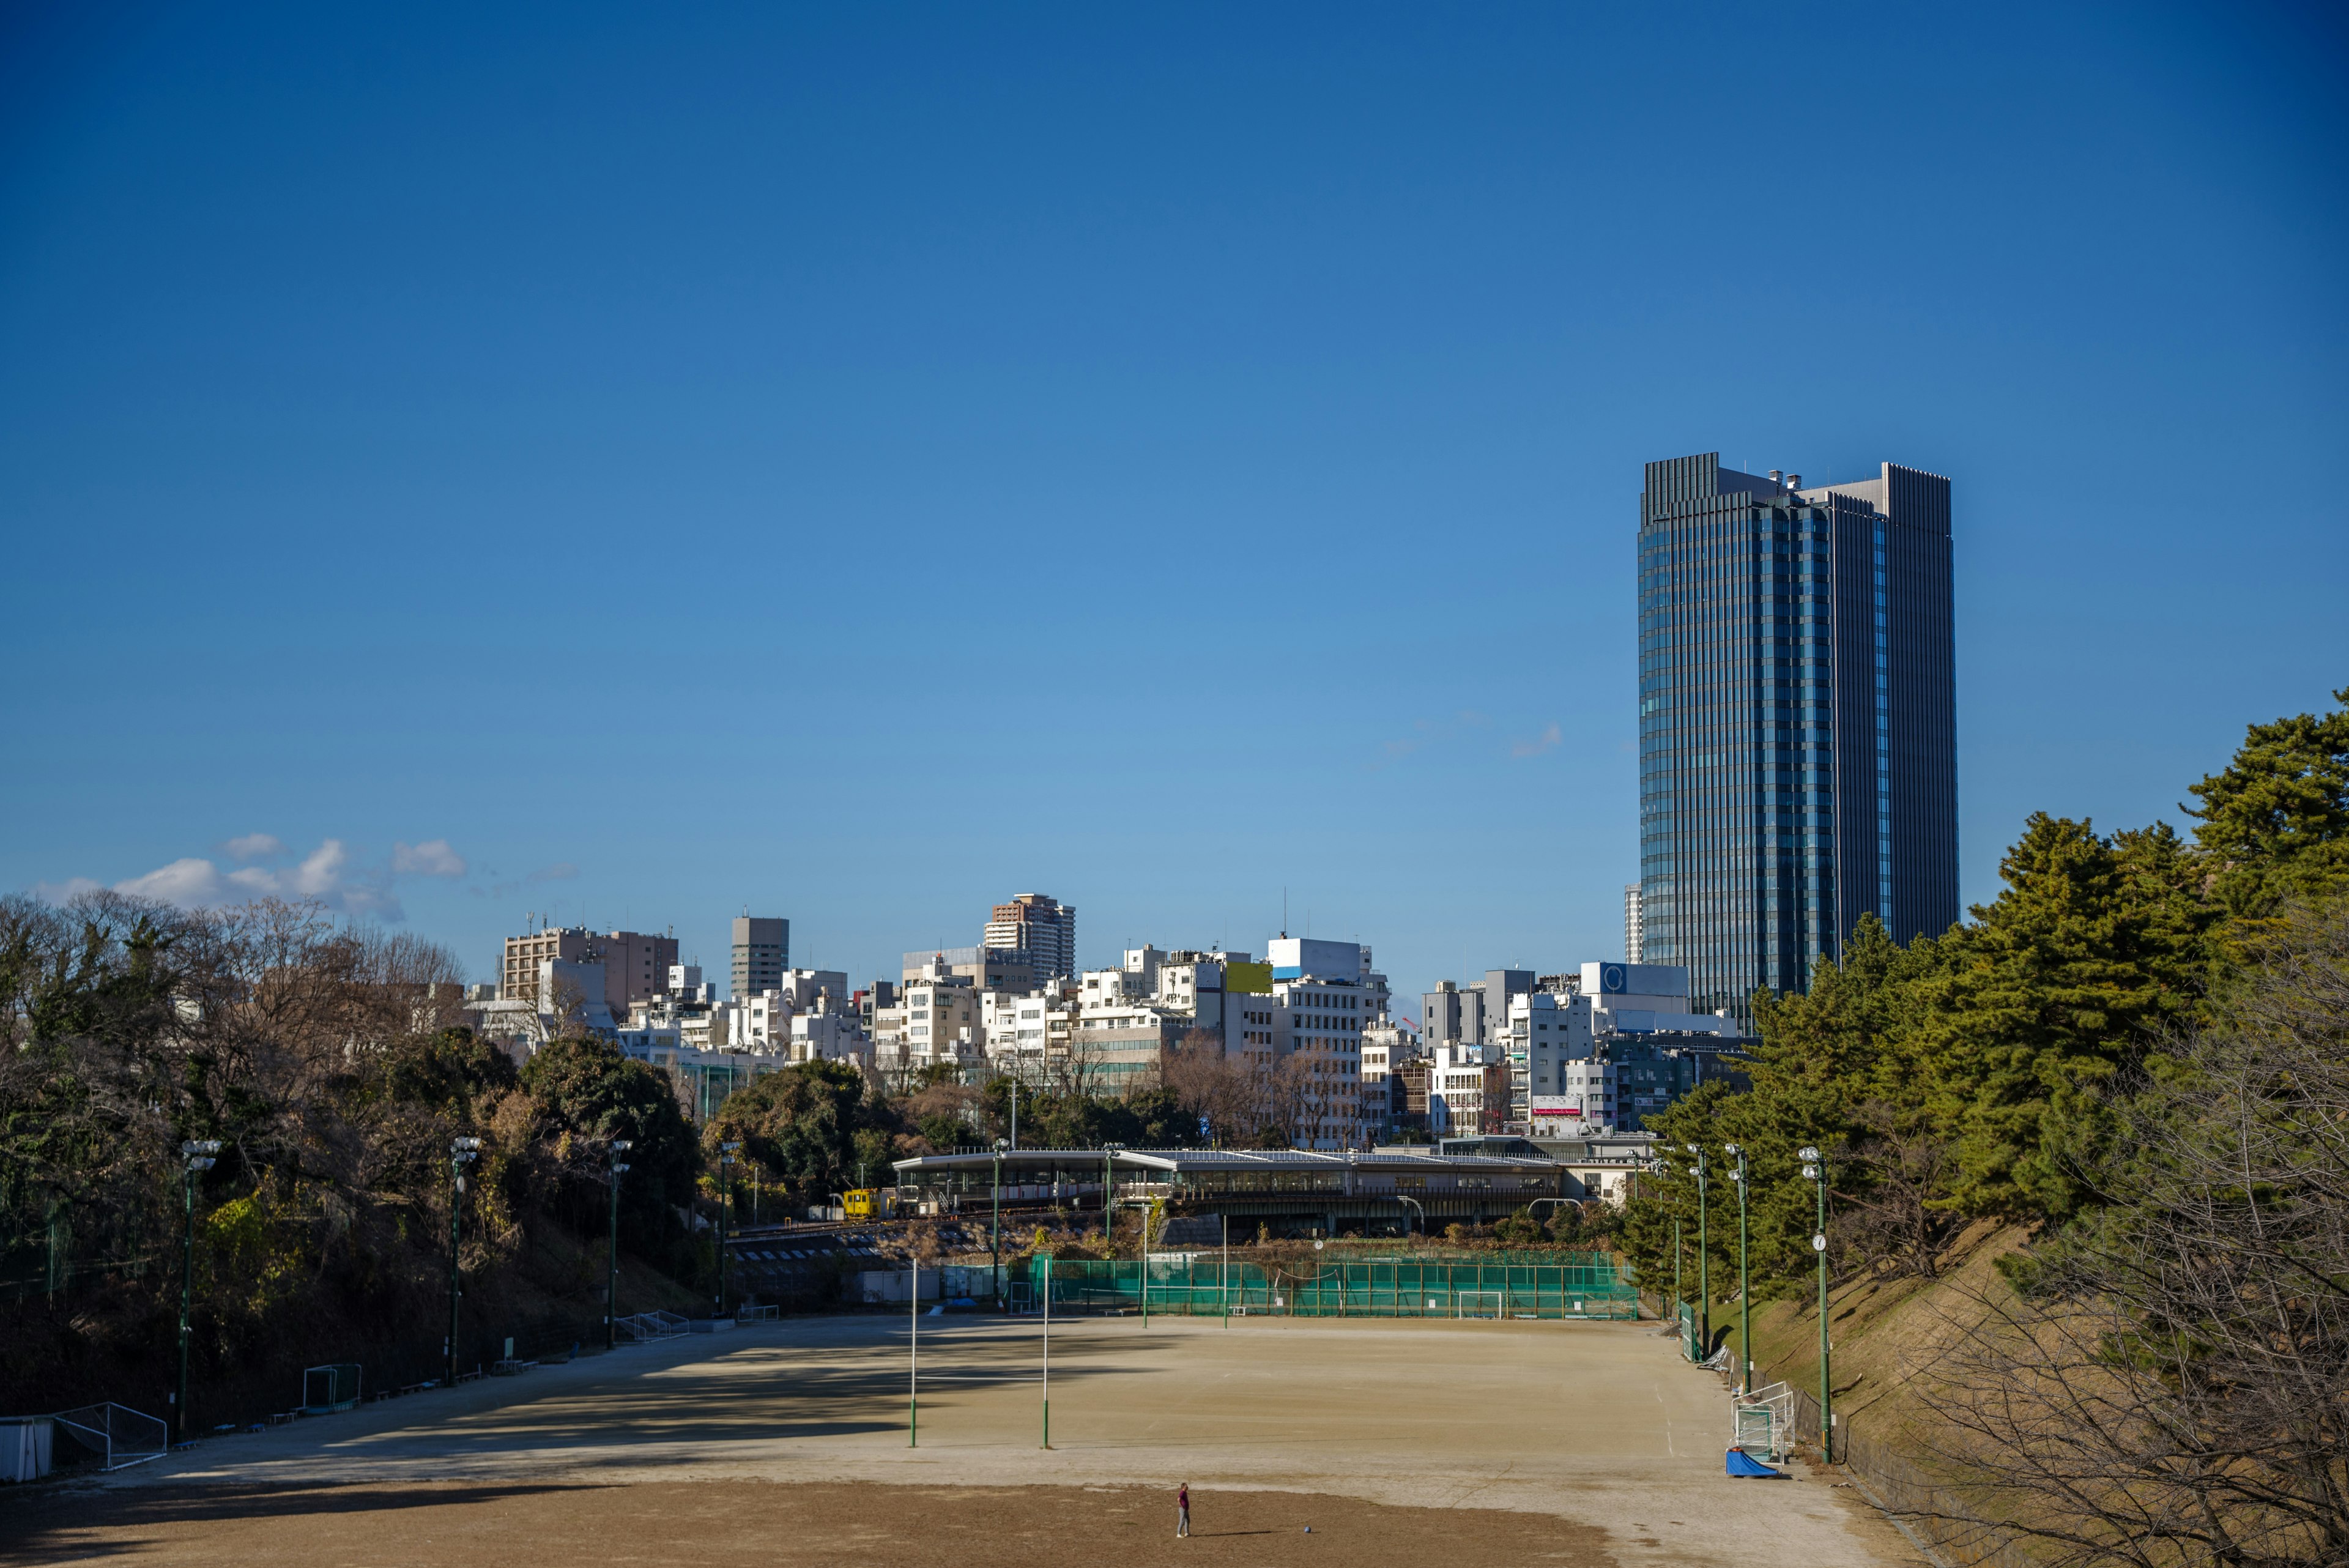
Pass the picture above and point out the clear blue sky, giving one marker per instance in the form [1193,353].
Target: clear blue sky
[864,462]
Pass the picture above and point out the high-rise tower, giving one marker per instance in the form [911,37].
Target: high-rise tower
[762,951]
[1042,927]
[1797,720]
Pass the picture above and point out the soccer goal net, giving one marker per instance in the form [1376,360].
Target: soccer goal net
[1481,1304]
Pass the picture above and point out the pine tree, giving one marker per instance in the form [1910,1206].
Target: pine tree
[2064,979]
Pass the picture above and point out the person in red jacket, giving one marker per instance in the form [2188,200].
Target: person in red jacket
[1183,1509]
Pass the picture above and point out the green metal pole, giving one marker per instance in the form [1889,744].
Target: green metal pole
[1679,1253]
[1047,1351]
[995,1227]
[1109,1194]
[186,1297]
[1827,1397]
[456,1220]
[1704,1261]
[914,1365]
[612,1270]
[1744,1294]
[725,1196]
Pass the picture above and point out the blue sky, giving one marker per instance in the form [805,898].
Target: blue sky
[861,462]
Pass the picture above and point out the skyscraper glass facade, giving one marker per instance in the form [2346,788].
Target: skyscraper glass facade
[1797,720]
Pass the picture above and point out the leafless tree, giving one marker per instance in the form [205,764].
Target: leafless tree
[1887,1220]
[2171,1383]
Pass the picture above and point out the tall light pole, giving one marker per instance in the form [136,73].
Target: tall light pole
[914,1362]
[995,1222]
[1047,1261]
[462,1152]
[1109,1188]
[1745,1293]
[198,1153]
[1703,1259]
[1815,1167]
[619,1146]
[726,1153]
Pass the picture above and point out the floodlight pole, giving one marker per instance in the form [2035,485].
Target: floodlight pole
[1745,1292]
[725,1202]
[914,1365]
[1703,1258]
[1048,1349]
[619,1146]
[1814,1166]
[461,1152]
[198,1154]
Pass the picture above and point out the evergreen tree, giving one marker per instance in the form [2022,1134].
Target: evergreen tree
[2275,821]
[2061,981]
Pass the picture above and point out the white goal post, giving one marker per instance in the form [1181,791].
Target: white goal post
[1481,1303]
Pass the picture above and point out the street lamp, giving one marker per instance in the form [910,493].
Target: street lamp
[1744,1294]
[995,1220]
[1108,1187]
[1814,1169]
[619,1146]
[198,1153]
[1415,1204]
[462,1152]
[1703,1259]
[726,1153]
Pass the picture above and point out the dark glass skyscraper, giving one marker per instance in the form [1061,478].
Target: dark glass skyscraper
[1797,720]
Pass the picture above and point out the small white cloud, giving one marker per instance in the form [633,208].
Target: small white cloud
[187,882]
[255,846]
[433,857]
[1547,741]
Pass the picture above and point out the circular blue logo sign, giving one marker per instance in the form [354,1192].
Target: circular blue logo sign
[1610,978]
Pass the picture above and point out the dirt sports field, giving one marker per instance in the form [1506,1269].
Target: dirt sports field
[1441,1442]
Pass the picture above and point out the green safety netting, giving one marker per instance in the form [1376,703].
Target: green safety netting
[1574,1285]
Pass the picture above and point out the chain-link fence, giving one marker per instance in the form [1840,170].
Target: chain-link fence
[1927,1509]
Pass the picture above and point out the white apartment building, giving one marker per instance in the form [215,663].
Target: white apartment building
[829,1033]
[941,1023]
[1465,1093]
[1387,1043]
[1324,1022]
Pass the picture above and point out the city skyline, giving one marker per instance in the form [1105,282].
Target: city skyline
[449,521]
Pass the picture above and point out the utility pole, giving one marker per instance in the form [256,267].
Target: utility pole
[619,1146]
[462,1152]
[1815,1167]
[198,1153]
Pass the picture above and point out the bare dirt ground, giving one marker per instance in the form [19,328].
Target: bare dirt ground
[1524,1442]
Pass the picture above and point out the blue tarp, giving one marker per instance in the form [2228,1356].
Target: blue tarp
[1742,1464]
